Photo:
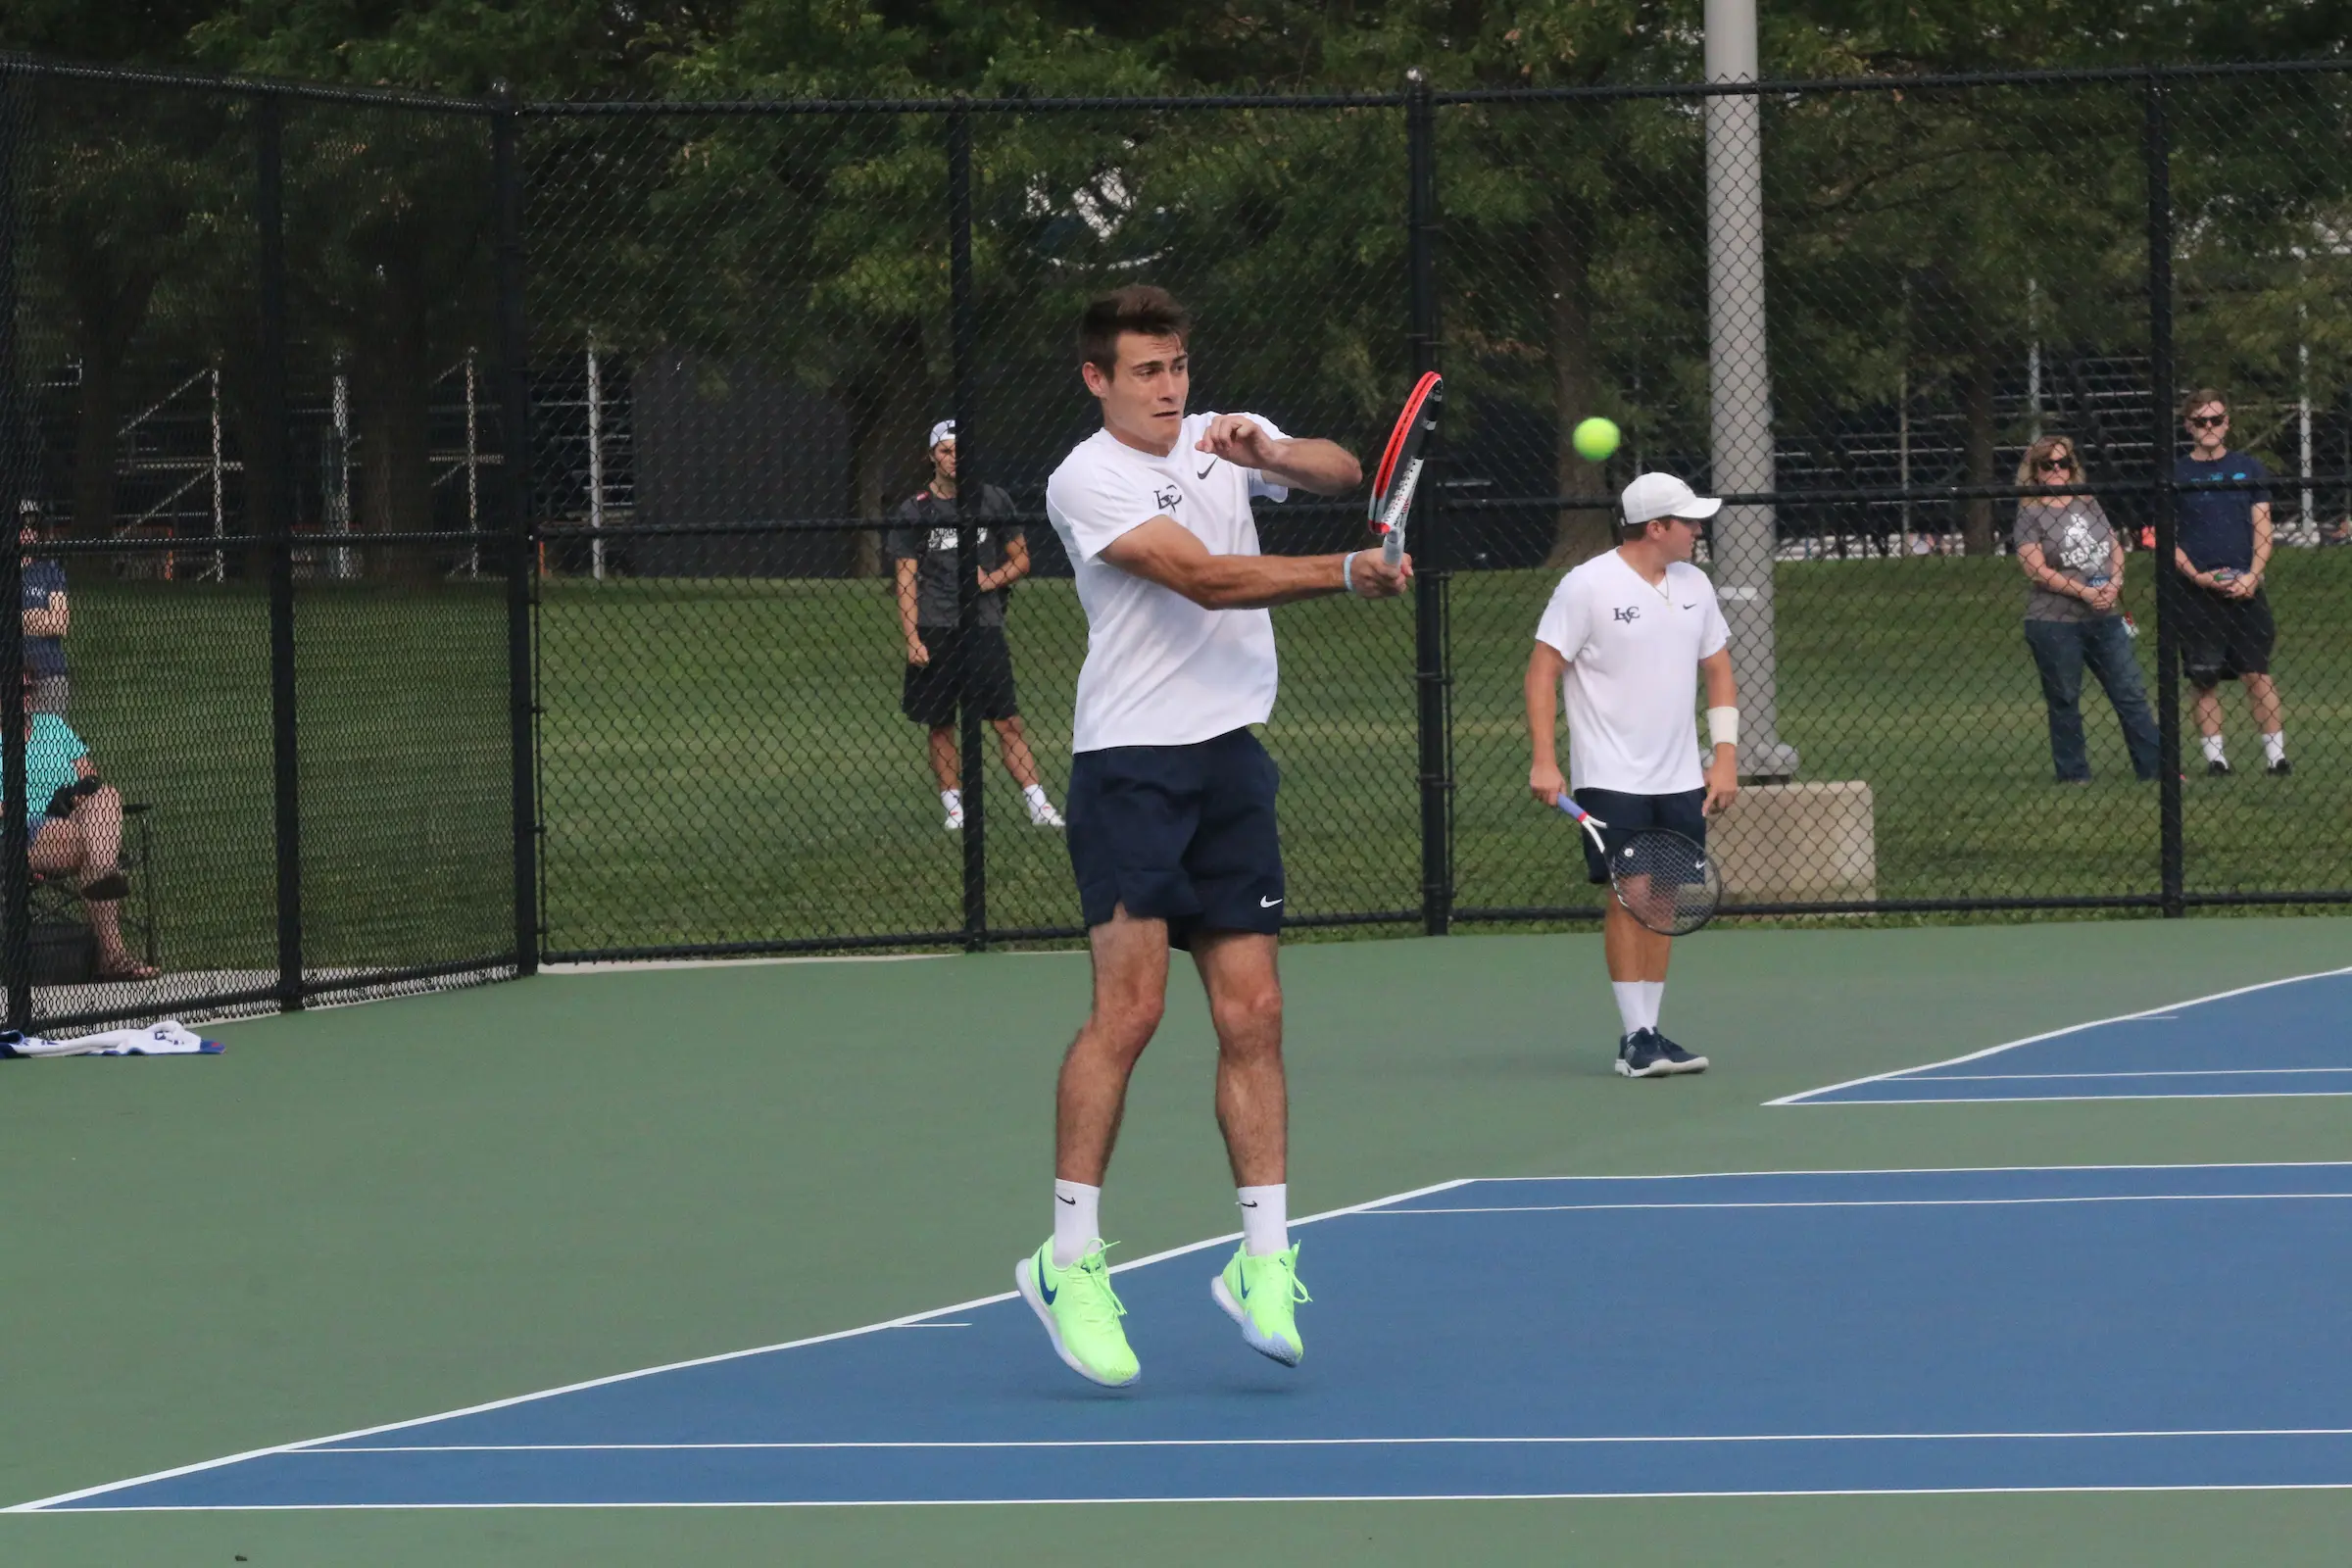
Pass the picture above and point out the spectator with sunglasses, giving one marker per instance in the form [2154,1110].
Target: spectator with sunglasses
[2074,565]
[2222,549]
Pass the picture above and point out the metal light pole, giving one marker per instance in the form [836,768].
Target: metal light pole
[1739,382]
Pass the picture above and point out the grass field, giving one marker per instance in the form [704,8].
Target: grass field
[725,761]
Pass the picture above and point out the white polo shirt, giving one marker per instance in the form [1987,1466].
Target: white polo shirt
[1631,684]
[1159,669]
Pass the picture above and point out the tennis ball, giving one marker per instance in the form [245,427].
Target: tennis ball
[1595,439]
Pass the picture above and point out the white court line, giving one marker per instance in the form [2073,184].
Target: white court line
[910,1320]
[1810,1096]
[1556,1441]
[1872,1203]
[1928,1170]
[2052,1099]
[2169,1072]
[1302,1496]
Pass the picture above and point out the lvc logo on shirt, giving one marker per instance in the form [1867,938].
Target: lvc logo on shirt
[1167,498]
[1626,615]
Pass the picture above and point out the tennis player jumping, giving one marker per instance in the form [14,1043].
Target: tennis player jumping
[1623,641]
[1171,809]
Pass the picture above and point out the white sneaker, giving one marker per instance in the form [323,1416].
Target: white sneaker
[1045,816]
[956,819]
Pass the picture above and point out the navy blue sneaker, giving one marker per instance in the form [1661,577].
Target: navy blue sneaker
[1677,1060]
[1640,1055]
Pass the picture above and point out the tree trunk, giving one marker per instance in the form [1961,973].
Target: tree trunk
[108,318]
[888,420]
[1977,533]
[391,393]
[1565,237]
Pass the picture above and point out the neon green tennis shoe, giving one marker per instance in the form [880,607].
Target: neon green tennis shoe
[1081,1313]
[1262,1294]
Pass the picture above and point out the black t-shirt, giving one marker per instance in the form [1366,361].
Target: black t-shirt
[2215,528]
[925,534]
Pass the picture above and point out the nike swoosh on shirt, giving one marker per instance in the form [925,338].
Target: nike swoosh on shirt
[1690,606]
[1204,473]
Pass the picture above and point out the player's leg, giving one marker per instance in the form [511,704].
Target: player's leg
[1132,812]
[2204,661]
[2253,638]
[1235,863]
[2058,656]
[927,696]
[2107,648]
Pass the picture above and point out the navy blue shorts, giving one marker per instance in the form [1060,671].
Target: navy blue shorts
[1684,812]
[1184,834]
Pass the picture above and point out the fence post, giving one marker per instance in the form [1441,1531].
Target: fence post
[964,337]
[276,493]
[2158,149]
[15,450]
[1433,676]
[514,419]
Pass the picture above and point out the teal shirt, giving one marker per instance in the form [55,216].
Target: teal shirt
[50,753]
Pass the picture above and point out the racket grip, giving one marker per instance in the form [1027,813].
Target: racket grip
[1392,546]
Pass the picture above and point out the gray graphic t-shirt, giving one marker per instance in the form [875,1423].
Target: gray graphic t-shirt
[2076,540]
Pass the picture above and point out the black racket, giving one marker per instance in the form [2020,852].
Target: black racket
[1400,462]
[1665,882]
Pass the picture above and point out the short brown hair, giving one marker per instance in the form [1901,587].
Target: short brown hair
[1138,308]
[2199,398]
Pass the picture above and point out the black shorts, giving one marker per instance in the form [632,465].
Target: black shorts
[974,666]
[1184,834]
[1684,812]
[2222,639]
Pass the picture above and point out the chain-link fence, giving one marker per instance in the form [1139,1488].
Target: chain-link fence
[271,392]
[267,755]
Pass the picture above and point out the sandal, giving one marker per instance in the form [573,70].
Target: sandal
[128,969]
[106,888]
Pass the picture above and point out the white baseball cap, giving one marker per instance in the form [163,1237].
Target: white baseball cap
[943,430]
[1661,495]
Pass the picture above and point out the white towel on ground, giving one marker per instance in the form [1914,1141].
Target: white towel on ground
[165,1038]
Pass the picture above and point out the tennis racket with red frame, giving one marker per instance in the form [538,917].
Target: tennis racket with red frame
[1401,461]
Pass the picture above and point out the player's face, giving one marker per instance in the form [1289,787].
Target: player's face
[1676,537]
[1145,394]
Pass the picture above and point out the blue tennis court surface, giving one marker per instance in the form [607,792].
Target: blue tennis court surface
[2290,1037]
[1888,1331]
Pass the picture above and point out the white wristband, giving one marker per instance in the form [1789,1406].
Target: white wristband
[1347,571]
[1723,726]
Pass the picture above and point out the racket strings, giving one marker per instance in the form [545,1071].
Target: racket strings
[1666,882]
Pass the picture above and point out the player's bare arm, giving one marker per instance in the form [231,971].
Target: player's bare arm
[917,652]
[1723,768]
[1165,552]
[2246,586]
[1015,567]
[1545,667]
[1324,468]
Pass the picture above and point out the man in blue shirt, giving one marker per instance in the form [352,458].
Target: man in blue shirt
[45,615]
[2222,549]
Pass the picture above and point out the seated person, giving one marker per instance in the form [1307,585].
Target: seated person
[76,831]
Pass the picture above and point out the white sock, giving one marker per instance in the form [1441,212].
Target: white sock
[2213,748]
[1265,1219]
[2273,745]
[1653,1000]
[1077,1220]
[1035,795]
[1630,1003]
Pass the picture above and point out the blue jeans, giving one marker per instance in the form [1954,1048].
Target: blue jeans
[2062,649]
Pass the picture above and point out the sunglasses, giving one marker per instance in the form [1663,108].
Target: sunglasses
[2207,422]
[2057,465]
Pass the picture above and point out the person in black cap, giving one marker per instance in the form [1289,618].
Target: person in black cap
[948,663]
